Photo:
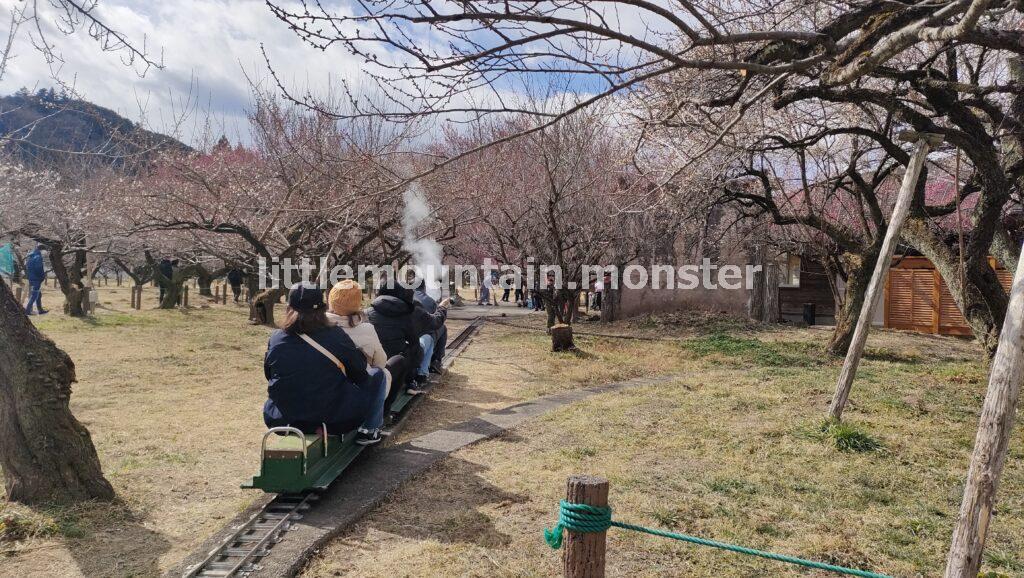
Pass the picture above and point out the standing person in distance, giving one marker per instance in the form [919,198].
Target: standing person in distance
[35,272]
[235,280]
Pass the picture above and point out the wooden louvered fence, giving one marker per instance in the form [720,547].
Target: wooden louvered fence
[916,298]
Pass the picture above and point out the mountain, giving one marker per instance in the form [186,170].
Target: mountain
[48,130]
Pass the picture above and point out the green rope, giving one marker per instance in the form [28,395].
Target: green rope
[586,518]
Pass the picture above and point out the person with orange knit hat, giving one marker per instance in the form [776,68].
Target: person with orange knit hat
[345,310]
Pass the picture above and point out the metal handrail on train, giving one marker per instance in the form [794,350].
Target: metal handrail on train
[286,430]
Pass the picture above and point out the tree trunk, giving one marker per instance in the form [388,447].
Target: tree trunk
[858,276]
[875,287]
[755,307]
[561,338]
[982,299]
[74,295]
[261,312]
[610,305]
[205,282]
[770,313]
[1004,249]
[172,293]
[69,279]
[45,453]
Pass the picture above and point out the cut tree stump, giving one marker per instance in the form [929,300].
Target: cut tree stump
[561,338]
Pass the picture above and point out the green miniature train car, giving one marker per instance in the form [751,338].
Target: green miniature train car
[295,462]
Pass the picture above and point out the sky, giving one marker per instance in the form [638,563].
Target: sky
[211,55]
[211,52]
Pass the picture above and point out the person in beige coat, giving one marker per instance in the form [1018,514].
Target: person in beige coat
[345,310]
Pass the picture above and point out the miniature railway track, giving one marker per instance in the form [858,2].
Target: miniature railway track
[238,554]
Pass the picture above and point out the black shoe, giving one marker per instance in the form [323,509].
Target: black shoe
[418,385]
[44,312]
[369,438]
[435,368]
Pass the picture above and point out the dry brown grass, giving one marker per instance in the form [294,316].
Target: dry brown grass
[172,399]
[733,450]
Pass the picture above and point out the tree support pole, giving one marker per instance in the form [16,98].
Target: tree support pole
[875,288]
[992,441]
[584,555]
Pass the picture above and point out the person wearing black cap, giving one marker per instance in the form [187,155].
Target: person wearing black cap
[316,374]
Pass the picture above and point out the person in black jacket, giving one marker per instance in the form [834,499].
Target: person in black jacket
[400,322]
[433,342]
[235,280]
[391,317]
[306,387]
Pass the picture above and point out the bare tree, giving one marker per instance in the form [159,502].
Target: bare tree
[45,453]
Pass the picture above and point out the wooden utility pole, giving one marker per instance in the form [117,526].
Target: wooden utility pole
[876,287]
[584,555]
[992,441]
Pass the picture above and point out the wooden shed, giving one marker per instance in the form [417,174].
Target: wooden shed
[916,298]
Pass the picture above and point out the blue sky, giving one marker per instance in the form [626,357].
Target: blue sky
[211,53]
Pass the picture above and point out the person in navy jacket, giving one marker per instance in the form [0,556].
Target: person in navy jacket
[306,388]
[35,271]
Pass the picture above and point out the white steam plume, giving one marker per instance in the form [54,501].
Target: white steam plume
[426,252]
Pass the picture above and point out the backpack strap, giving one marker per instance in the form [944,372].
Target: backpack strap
[312,342]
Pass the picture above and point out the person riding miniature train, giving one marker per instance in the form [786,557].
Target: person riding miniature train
[317,375]
[400,323]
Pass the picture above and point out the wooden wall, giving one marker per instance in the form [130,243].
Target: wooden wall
[916,298]
[814,288]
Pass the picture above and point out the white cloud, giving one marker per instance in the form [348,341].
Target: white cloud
[208,47]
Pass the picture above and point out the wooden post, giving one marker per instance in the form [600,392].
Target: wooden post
[224,294]
[992,441]
[18,294]
[184,296]
[584,555]
[874,292]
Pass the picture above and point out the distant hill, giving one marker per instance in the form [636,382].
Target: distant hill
[48,130]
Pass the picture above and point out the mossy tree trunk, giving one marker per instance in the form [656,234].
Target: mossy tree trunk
[858,275]
[978,292]
[261,311]
[69,277]
[46,454]
[205,281]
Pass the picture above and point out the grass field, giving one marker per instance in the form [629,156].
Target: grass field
[731,450]
[172,400]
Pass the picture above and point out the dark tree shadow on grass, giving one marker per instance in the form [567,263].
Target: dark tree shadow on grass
[110,540]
